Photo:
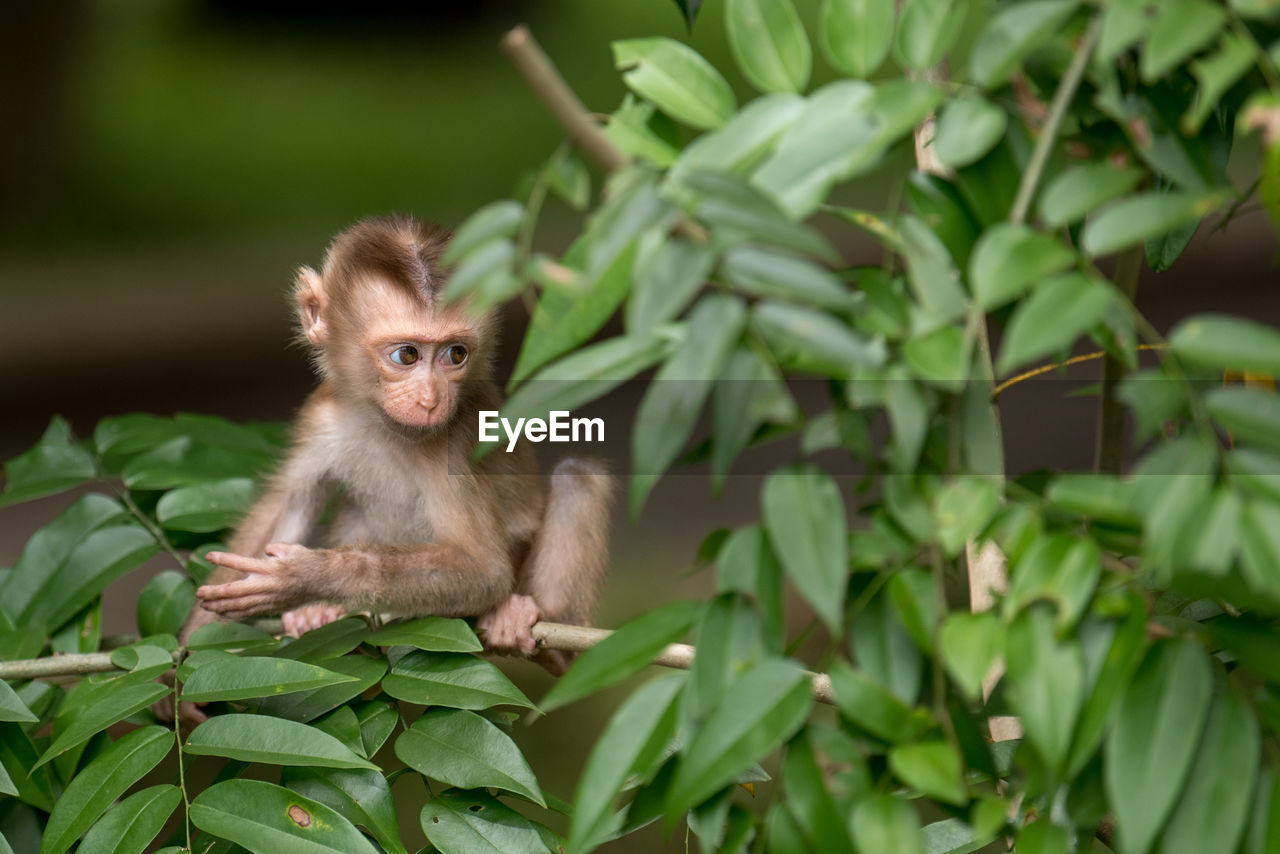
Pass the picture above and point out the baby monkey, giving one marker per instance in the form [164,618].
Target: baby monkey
[417,527]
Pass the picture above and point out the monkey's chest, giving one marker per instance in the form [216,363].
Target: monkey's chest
[388,499]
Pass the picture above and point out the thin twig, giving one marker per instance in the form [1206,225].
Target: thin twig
[1057,112]
[537,69]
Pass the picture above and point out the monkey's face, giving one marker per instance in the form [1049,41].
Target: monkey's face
[418,357]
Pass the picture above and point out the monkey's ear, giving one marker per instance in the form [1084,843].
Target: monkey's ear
[308,292]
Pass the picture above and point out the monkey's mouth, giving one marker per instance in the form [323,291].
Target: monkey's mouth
[412,430]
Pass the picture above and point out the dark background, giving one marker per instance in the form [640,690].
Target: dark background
[165,166]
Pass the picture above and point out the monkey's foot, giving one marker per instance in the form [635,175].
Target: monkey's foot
[308,617]
[508,628]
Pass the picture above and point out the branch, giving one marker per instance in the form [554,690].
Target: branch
[548,635]
[536,68]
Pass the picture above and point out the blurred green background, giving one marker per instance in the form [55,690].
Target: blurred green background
[165,166]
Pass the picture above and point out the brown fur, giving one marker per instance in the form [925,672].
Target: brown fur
[419,528]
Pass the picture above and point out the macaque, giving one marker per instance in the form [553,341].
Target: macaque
[417,527]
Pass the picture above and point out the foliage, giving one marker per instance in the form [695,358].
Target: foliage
[1137,637]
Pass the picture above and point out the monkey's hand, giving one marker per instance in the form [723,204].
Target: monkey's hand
[281,581]
[308,617]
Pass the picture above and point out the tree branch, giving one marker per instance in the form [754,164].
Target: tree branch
[548,635]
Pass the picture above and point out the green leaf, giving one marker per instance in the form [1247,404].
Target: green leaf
[739,145]
[259,738]
[941,357]
[492,222]
[587,374]
[885,650]
[931,273]
[562,321]
[568,178]
[1077,191]
[968,127]
[633,738]
[676,396]
[30,581]
[664,281]
[1151,745]
[627,651]
[485,277]
[101,705]
[1182,27]
[639,130]
[11,706]
[886,823]
[164,603]
[766,273]
[811,340]
[810,799]
[970,644]
[689,9]
[20,773]
[1042,837]
[55,463]
[463,749]
[856,35]
[963,507]
[1012,34]
[270,819]
[98,559]
[106,778]
[189,461]
[1260,546]
[304,706]
[1211,815]
[1138,218]
[378,718]
[1227,343]
[1123,23]
[930,767]
[1009,259]
[1216,74]
[677,79]
[222,635]
[134,823]
[222,676]
[207,507]
[451,679]
[437,634]
[1101,497]
[1252,415]
[835,135]
[756,713]
[927,29]
[805,517]
[1047,684]
[1049,320]
[769,44]
[475,823]
[871,707]
[328,641]
[1058,567]
[750,392]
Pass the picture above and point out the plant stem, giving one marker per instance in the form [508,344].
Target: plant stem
[143,519]
[541,75]
[1057,112]
[1109,444]
[182,773]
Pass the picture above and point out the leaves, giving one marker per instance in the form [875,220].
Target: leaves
[475,823]
[362,797]
[1182,27]
[1150,748]
[103,780]
[769,44]
[221,676]
[264,817]
[1227,343]
[1057,313]
[931,767]
[756,713]
[259,738]
[56,463]
[627,651]
[448,679]
[133,824]
[967,129]
[164,603]
[438,634]
[1013,33]
[207,507]
[675,78]
[1009,259]
[462,749]
[1138,218]
[856,35]
[1081,189]
[927,30]
[804,515]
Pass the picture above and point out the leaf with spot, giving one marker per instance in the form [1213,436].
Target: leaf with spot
[475,823]
[264,817]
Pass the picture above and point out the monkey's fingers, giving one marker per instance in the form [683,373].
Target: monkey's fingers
[241,606]
[258,565]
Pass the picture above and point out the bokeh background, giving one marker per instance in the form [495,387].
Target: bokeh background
[166,164]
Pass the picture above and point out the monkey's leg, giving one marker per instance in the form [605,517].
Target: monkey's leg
[562,577]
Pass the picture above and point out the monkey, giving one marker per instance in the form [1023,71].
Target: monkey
[417,526]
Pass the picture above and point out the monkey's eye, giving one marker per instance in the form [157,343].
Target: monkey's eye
[454,354]
[405,355]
